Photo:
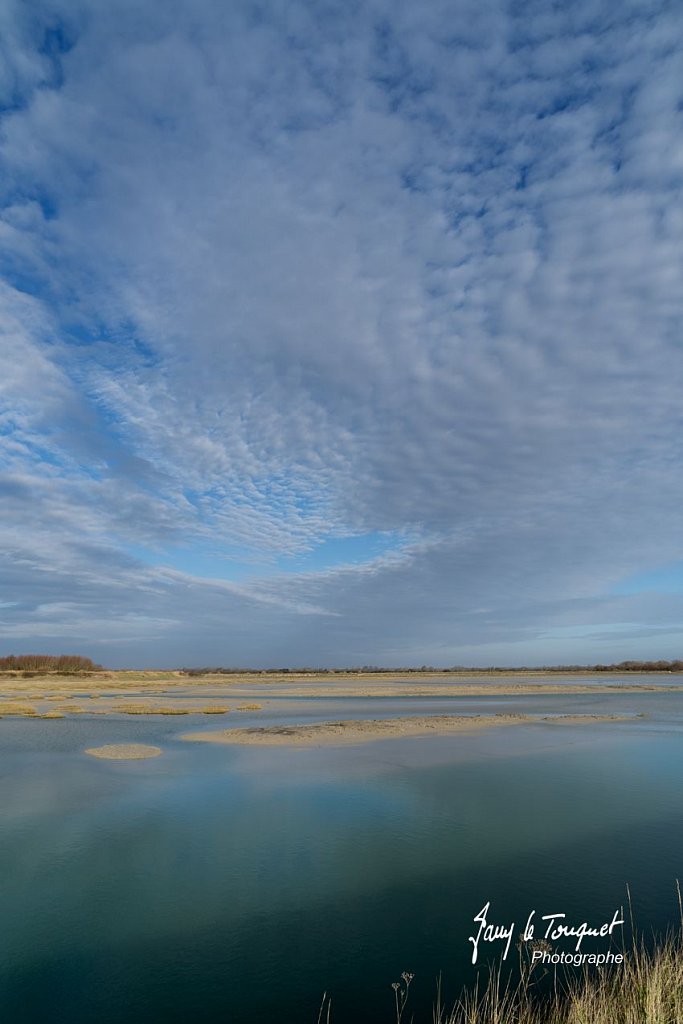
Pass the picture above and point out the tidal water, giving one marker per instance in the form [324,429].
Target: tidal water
[235,884]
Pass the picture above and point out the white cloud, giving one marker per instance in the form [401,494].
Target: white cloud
[336,270]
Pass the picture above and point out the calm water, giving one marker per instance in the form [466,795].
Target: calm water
[228,884]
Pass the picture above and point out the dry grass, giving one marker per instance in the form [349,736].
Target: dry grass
[148,709]
[165,709]
[646,989]
[649,990]
[8,707]
[250,707]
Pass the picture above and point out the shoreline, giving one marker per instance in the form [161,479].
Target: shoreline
[158,693]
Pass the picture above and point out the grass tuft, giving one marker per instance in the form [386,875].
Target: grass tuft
[9,707]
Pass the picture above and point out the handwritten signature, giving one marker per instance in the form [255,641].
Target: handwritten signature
[557,928]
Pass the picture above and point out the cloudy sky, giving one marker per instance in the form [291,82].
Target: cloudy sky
[341,333]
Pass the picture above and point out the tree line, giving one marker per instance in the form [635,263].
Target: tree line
[60,663]
[621,666]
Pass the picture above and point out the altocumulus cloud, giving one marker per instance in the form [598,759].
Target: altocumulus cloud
[337,333]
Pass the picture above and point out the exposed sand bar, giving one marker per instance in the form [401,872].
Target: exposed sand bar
[124,751]
[400,689]
[369,730]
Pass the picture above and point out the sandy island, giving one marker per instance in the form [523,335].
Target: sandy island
[124,751]
[365,731]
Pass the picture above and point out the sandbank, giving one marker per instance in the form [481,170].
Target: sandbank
[369,730]
[124,751]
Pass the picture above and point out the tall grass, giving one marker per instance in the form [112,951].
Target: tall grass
[647,988]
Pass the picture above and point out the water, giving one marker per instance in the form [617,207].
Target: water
[225,884]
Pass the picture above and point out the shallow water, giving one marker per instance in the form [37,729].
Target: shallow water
[233,884]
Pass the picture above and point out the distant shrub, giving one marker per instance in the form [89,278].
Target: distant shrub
[34,664]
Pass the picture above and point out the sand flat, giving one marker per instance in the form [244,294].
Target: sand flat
[124,751]
[107,690]
[369,730]
[175,694]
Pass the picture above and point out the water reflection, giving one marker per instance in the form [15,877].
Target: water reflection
[226,883]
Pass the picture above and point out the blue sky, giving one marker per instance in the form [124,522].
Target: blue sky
[341,334]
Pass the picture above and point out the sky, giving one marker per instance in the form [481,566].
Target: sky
[340,333]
